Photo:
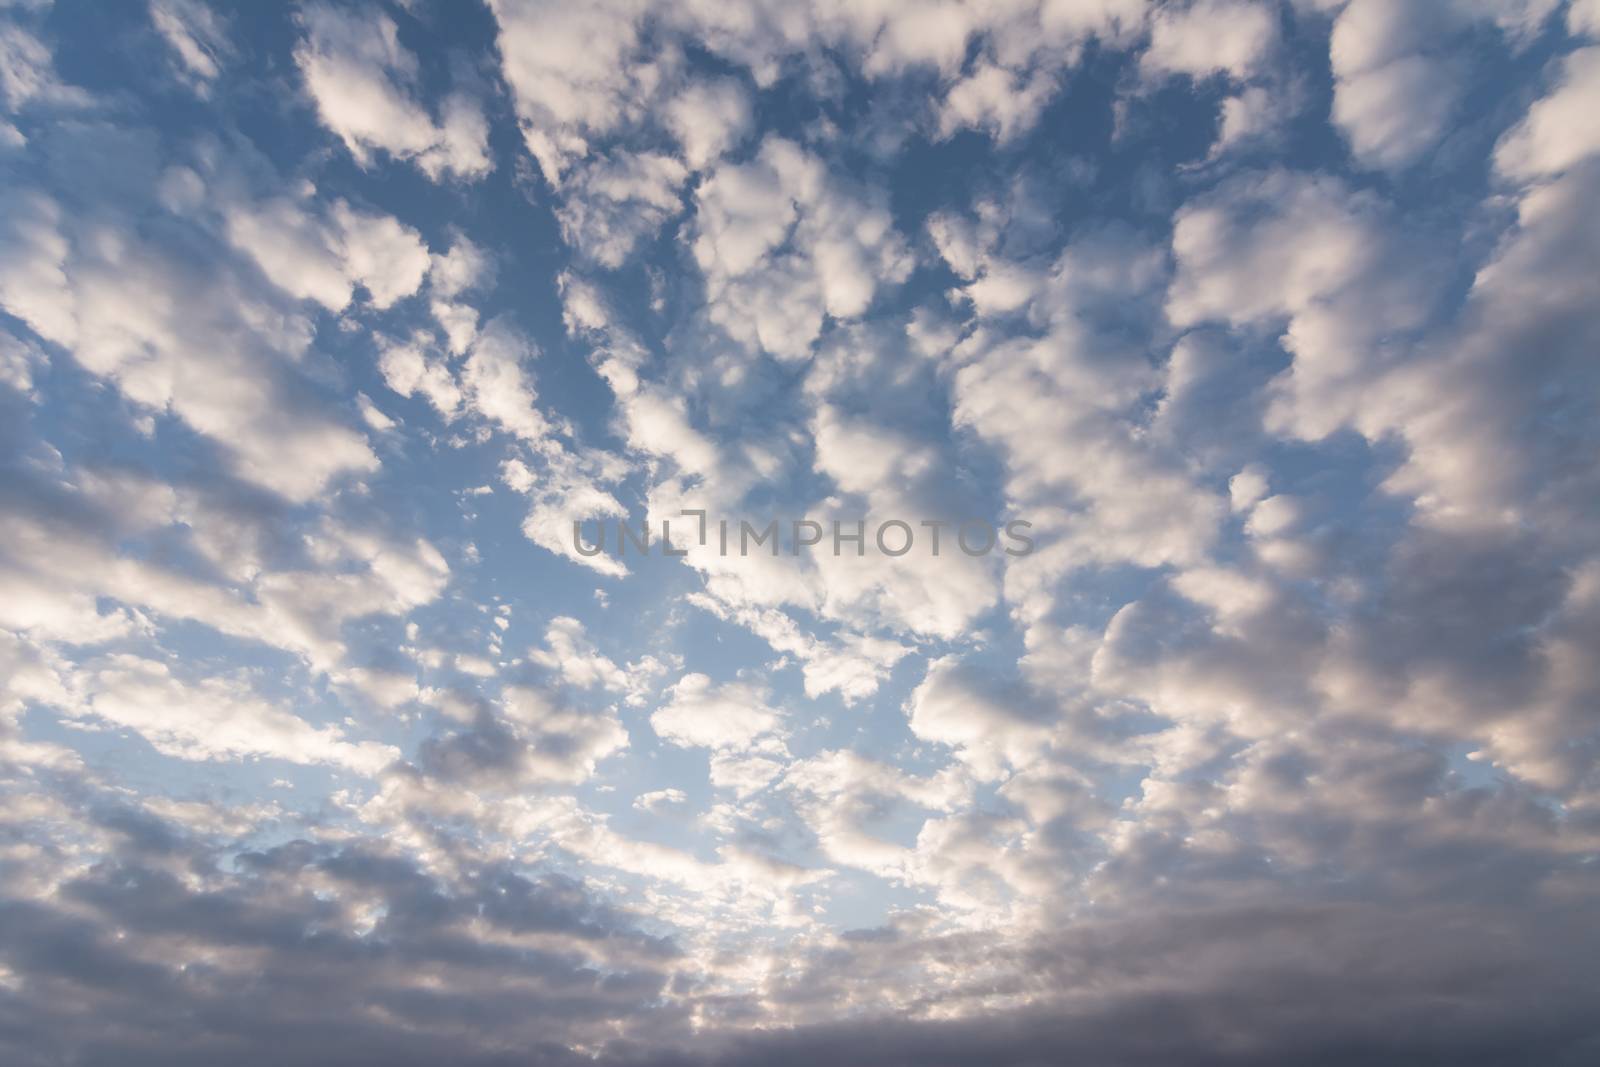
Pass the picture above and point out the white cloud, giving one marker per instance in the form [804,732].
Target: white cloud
[564,743]
[992,731]
[67,578]
[997,100]
[1400,70]
[1310,253]
[498,387]
[362,80]
[897,475]
[1583,17]
[1248,116]
[410,369]
[573,73]
[1309,467]
[462,267]
[18,360]
[1561,129]
[1049,400]
[566,487]
[33,279]
[781,245]
[934,34]
[609,205]
[1394,112]
[176,337]
[704,714]
[709,118]
[572,655]
[196,36]
[658,801]
[1232,37]
[373,415]
[1247,487]
[27,74]
[381,254]
[312,258]
[216,718]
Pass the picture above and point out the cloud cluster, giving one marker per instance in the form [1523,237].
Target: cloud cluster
[322,740]
[360,77]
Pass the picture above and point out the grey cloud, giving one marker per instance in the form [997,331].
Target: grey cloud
[171,955]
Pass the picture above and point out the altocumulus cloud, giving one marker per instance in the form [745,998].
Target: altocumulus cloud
[322,325]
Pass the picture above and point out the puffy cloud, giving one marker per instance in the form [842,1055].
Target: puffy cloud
[1312,253]
[175,337]
[1303,657]
[900,479]
[935,35]
[362,80]
[323,260]
[1400,71]
[566,485]
[462,267]
[1247,488]
[990,729]
[849,662]
[573,73]
[1391,97]
[1048,400]
[610,205]
[1207,37]
[1583,16]
[574,658]
[703,714]
[1560,130]
[995,99]
[493,383]
[33,280]
[709,118]
[1251,115]
[410,369]
[498,386]
[781,245]
[381,254]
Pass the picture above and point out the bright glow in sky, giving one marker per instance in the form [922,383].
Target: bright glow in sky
[322,742]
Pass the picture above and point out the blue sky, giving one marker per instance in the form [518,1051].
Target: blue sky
[322,324]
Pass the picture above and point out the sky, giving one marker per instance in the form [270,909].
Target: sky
[322,739]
